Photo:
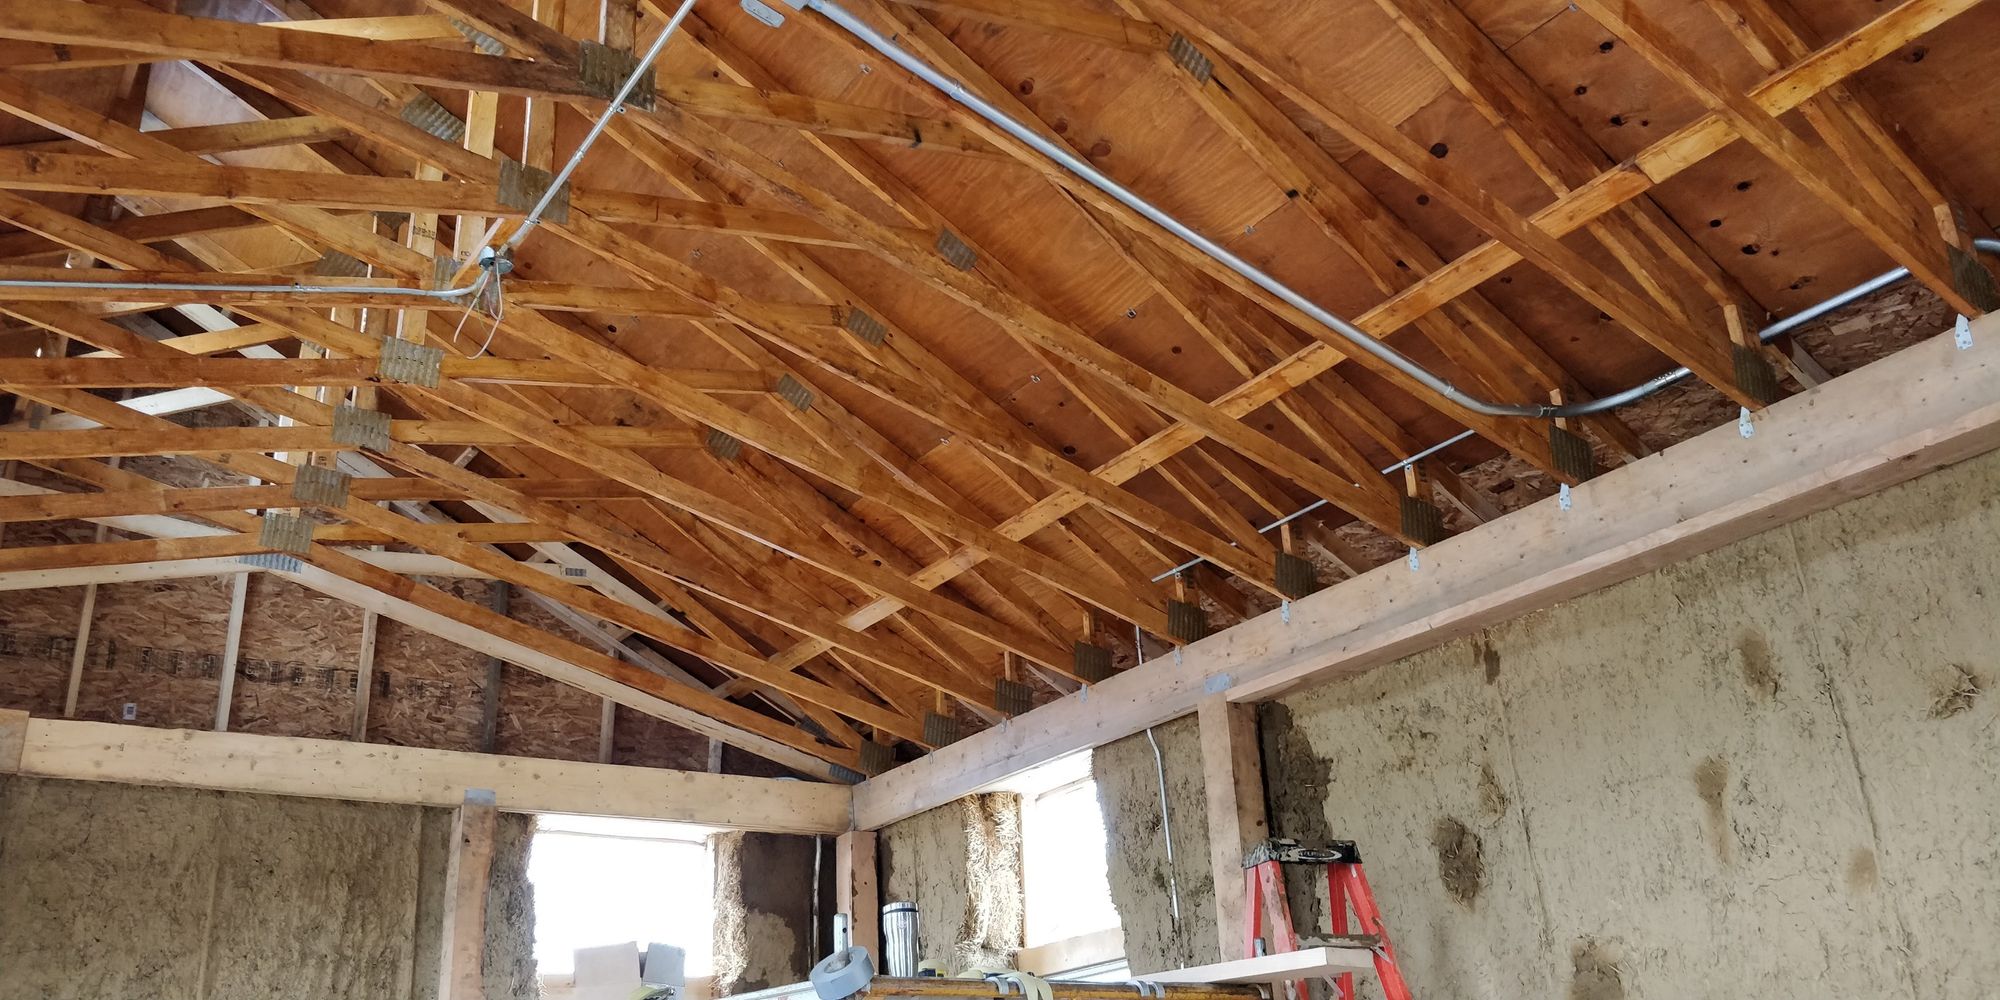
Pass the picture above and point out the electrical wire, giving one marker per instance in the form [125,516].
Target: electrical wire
[1167,834]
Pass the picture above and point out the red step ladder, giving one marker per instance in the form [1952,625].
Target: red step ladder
[1346,885]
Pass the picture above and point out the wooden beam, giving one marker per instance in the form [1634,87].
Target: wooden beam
[462,947]
[1232,777]
[855,891]
[496,671]
[337,769]
[1812,452]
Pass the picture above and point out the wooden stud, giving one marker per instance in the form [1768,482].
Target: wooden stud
[1232,774]
[462,952]
[232,648]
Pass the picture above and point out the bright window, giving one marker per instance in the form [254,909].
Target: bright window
[1062,841]
[604,881]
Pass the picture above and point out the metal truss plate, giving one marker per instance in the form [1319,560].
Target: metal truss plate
[723,445]
[522,187]
[955,251]
[1011,697]
[1423,523]
[795,392]
[361,428]
[604,70]
[876,758]
[426,113]
[480,40]
[940,730]
[765,14]
[1186,56]
[1754,374]
[1295,576]
[1186,622]
[334,264]
[272,560]
[410,362]
[866,327]
[286,533]
[1572,454]
[845,775]
[319,485]
[1973,280]
[1092,662]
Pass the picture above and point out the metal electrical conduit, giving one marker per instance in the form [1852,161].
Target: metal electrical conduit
[958,93]
[493,261]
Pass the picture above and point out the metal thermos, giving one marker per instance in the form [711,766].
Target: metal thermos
[899,939]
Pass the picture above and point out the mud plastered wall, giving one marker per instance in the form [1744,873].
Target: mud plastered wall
[1766,770]
[769,931]
[961,864]
[123,891]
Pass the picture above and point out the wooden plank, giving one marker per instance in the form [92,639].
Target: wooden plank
[338,769]
[500,598]
[232,648]
[468,870]
[1809,452]
[855,890]
[1232,775]
[364,674]
[1306,963]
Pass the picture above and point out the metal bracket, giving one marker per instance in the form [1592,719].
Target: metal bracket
[1186,622]
[1186,56]
[768,15]
[1092,662]
[1563,500]
[793,391]
[286,533]
[1011,697]
[940,730]
[334,264]
[409,362]
[1961,334]
[1755,376]
[1973,280]
[320,485]
[604,69]
[845,775]
[1743,424]
[480,40]
[869,329]
[426,113]
[1423,523]
[722,445]
[1414,562]
[1572,454]
[272,560]
[368,429]
[955,251]
[522,188]
[1295,576]
[876,758]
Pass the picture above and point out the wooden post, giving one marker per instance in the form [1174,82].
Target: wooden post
[364,674]
[232,648]
[13,738]
[607,725]
[496,669]
[82,649]
[1233,783]
[462,955]
[855,890]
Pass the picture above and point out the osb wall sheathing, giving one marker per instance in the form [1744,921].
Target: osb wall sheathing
[123,891]
[1766,770]
[765,911]
[157,646]
[961,864]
